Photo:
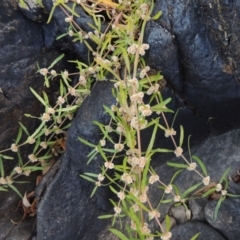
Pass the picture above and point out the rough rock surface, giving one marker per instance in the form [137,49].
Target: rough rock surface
[188,230]
[228,217]
[195,44]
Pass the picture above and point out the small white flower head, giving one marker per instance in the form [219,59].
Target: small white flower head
[154,214]
[14,147]
[169,132]
[126,178]
[145,229]
[142,162]
[154,178]
[114,58]
[70,33]
[168,188]
[119,147]
[9,179]
[121,195]
[144,72]
[120,128]
[191,166]
[109,128]
[32,158]
[102,142]
[109,165]
[133,225]
[117,210]
[65,74]
[69,116]
[50,111]
[133,82]
[91,70]
[134,191]
[178,152]
[218,187]
[111,47]
[69,19]
[47,132]
[31,140]
[166,236]
[206,180]
[53,72]
[46,117]
[224,192]
[142,49]
[43,145]
[43,71]
[3,180]
[143,198]
[60,100]
[177,198]
[72,91]
[145,110]
[150,238]
[82,80]
[100,177]
[18,170]
[98,183]
[27,172]
[137,97]
[132,49]
[135,207]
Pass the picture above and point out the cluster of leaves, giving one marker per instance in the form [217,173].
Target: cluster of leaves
[139,105]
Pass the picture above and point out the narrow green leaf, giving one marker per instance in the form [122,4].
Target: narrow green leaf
[175,175]
[19,135]
[153,137]
[168,223]
[109,111]
[126,59]
[232,195]
[38,97]
[177,165]
[184,195]
[3,189]
[93,191]
[118,234]
[181,136]
[195,236]
[224,175]
[201,164]
[91,174]
[24,128]
[209,192]
[67,109]
[56,60]
[15,190]
[86,142]
[87,178]
[166,201]
[157,15]
[113,190]
[7,157]
[1,167]
[105,216]
[218,206]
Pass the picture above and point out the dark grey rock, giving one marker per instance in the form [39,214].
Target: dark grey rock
[197,206]
[228,217]
[179,214]
[195,45]
[188,230]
